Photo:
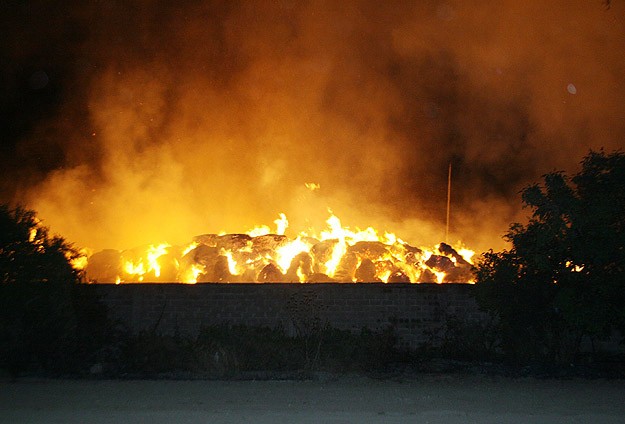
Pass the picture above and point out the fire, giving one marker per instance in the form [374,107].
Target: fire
[336,254]
[467,254]
[281,224]
[312,186]
[147,262]
[152,257]
[286,253]
[191,274]
[80,261]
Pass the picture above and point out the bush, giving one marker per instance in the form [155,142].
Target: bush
[47,322]
[564,277]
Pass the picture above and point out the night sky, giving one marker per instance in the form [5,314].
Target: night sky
[127,122]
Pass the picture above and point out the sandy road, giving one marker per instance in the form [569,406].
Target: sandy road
[426,399]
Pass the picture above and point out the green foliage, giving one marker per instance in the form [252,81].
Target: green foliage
[522,303]
[47,323]
[563,278]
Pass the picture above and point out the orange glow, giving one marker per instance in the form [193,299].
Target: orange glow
[467,254]
[135,268]
[312,186]
[81,261]
[336,254]
[190,276]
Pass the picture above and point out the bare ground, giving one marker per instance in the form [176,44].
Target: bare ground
[351,399]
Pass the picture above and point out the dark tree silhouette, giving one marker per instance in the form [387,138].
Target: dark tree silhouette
[564,277]
[28,254]
[46,321]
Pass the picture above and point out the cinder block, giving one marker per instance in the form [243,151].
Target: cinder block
[411,308]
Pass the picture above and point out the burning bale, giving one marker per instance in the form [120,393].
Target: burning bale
[270,274]
[337,255]
[105,266]
[366,272]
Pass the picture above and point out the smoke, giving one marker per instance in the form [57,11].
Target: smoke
[144,121]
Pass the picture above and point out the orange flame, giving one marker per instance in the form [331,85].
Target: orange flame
[337,253]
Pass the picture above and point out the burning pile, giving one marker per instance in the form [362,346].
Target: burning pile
[337,254]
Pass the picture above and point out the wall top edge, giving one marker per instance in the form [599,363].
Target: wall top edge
[286,284]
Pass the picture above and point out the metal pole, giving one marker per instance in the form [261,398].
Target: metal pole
[448,203]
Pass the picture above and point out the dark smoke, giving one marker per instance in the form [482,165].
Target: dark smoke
[126,122]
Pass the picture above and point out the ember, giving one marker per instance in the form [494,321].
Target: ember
[336,254]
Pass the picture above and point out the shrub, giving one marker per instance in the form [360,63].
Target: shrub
[564,277]
[47,322]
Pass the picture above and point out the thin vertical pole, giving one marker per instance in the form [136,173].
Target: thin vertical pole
[448,203]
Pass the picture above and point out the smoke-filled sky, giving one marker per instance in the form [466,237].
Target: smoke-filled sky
[136,121]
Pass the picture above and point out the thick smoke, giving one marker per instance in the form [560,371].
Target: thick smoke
[130,122]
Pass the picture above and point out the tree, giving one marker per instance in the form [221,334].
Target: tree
[564,277]
[43,311]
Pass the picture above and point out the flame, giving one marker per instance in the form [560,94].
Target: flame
[260,230]
[191,275]
[189,248]
[135,269]
[385,275]
[467,254]
[152,257]
[337,253]
[80,262]
[149,262]
[281,224]
[312,186]
[232,264]
[286,253]
[440,276]
[574,267]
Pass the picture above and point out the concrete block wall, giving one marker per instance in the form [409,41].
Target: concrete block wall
[412,310]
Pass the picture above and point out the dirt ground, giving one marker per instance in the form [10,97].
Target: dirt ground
[422,399]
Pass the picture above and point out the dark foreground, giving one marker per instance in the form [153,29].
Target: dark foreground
[424,399]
